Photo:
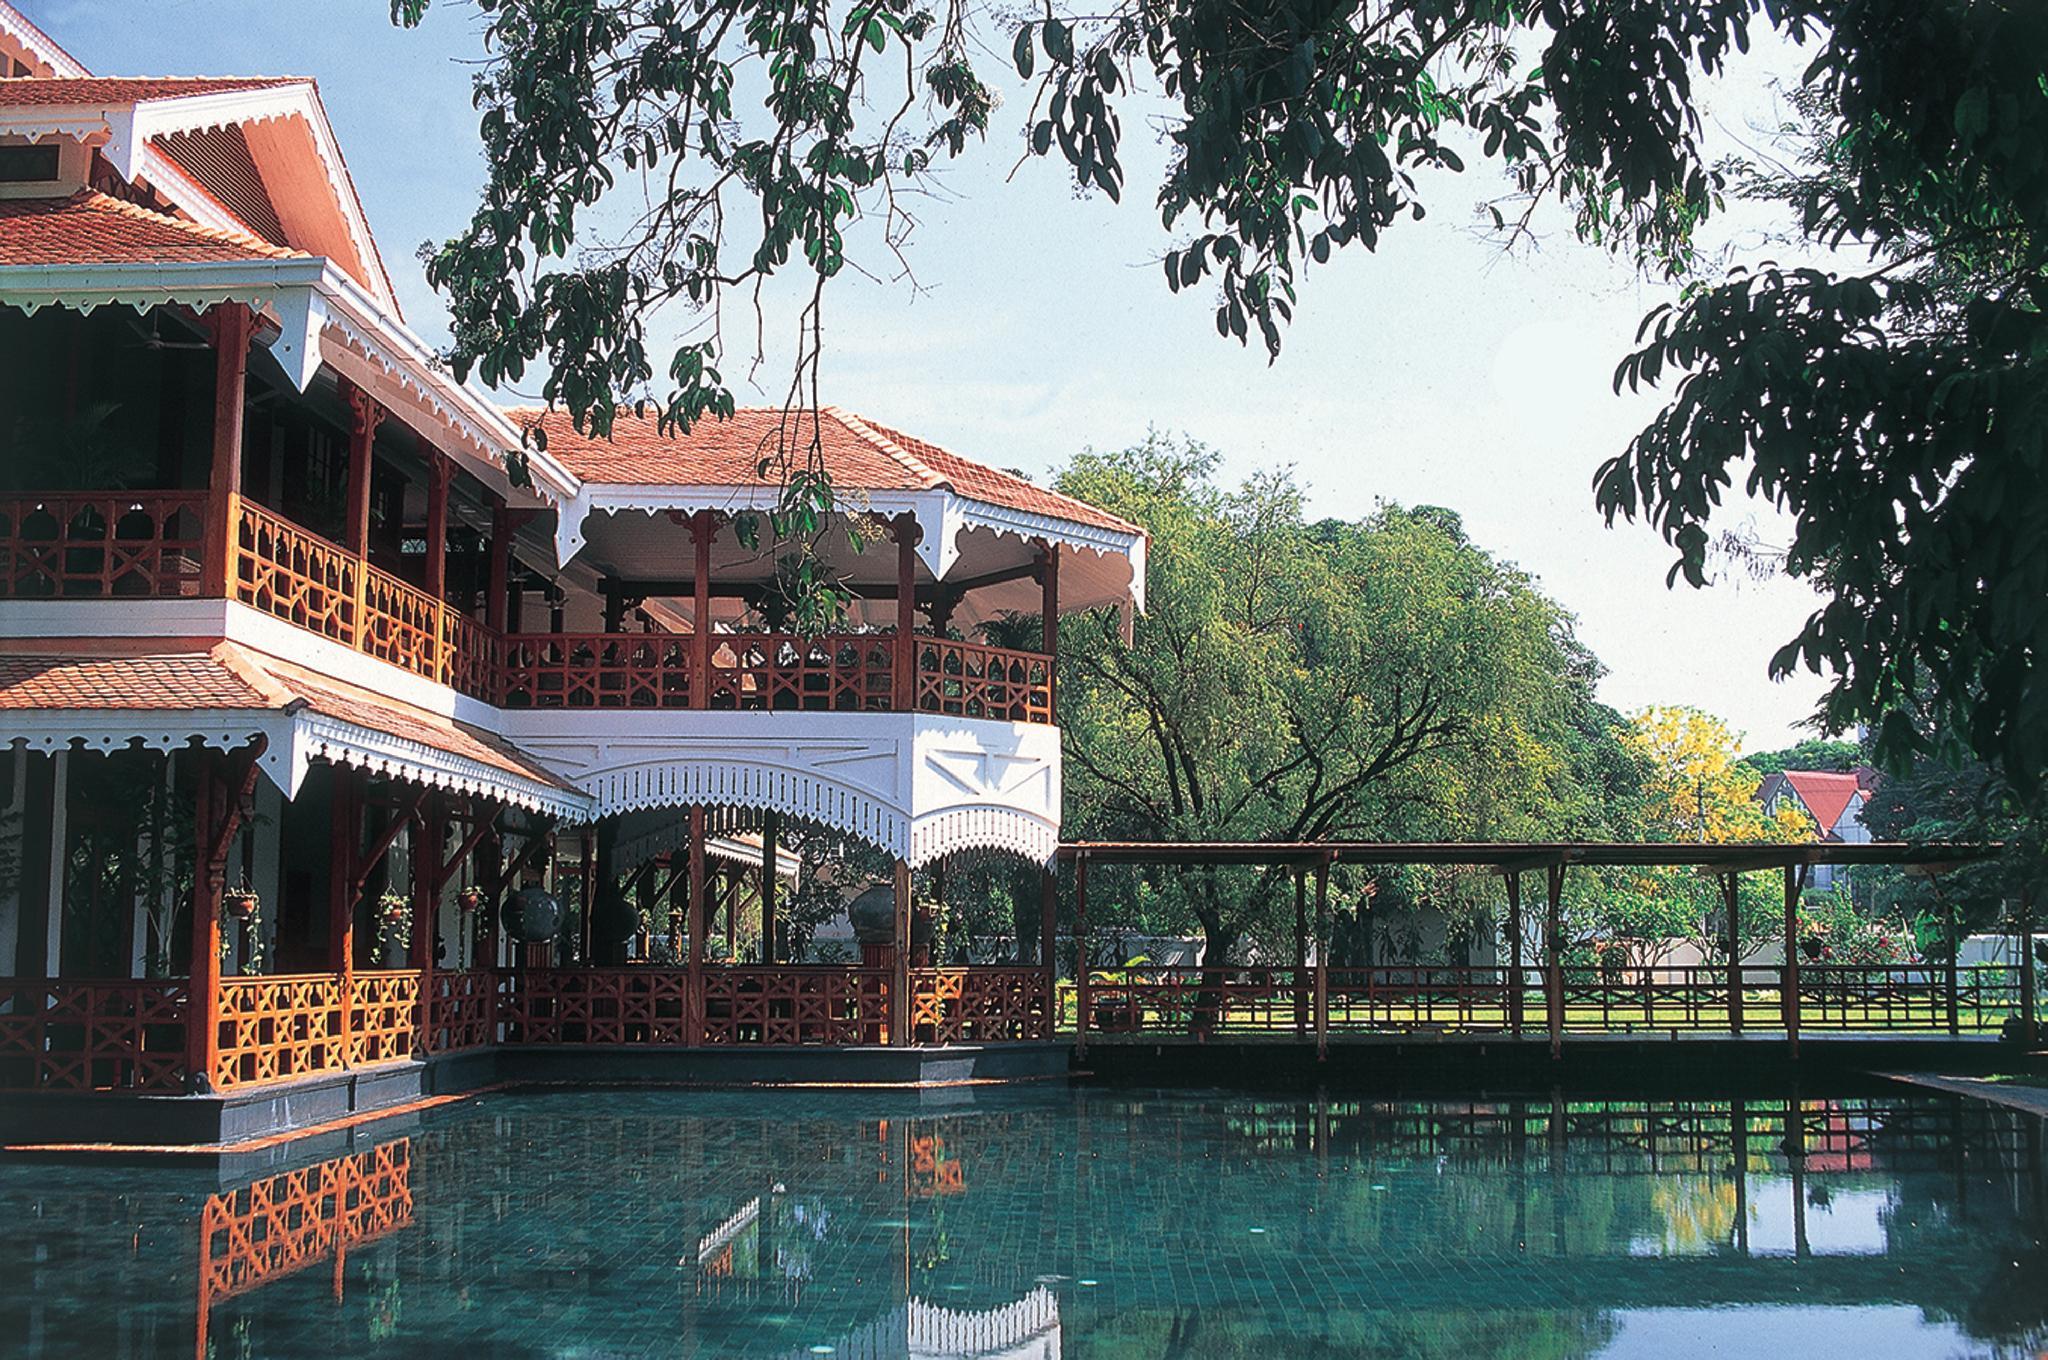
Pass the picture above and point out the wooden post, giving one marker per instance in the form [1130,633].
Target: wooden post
[1795,879]
[440,471]
[702,529]
[430,829]
[490,874]
[1081,955]
[231,326]
[586,886]
[343,842]
[1322,959]
[905,532]
[365,415]
[1048,930]
[1049,619]
[1553,957]
[770,826]
[202,1033]
[498,592]
[1302,986]
[1954,969]
[695,922]
[1731,898]
[1515,953]
[2030,1024]
[899,984]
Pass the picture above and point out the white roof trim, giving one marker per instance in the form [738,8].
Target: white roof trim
[39,44]
[318,736]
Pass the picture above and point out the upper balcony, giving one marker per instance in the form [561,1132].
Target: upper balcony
[356,529]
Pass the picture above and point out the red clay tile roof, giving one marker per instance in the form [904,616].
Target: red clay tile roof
[1825,794]
[91,228]
[229,677]
[22,91]
[182,680]
[859,455]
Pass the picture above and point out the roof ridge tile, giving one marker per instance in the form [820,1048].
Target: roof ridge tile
[916,466]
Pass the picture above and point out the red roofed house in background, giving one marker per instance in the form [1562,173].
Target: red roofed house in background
[270,604]
[1834,801]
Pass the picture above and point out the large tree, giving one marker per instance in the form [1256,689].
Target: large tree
[644,153]
[1295,681]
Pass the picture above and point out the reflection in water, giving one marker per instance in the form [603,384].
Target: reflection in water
[1045,1224]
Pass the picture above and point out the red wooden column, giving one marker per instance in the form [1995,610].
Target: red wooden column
[365,415]
[431,830]
[1731,897]
[2030,1023]
[702,530]
[230,324]
[440,472]
[696,923]
[1049,620]
[905,531]
[221,805]
[490,876]
[770,826]
[1302,985]
[1795,879]
[1514,879]
[1553,958]
[202,1031]
[1081,955]
[1322,958]
[899,980]
[344,845]
[497,592]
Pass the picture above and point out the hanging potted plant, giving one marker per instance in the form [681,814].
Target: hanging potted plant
[470,900]
[241,903]
[394,919]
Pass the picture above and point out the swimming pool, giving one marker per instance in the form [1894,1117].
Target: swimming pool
[1045,1222]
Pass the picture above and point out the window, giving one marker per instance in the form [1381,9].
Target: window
[27,164]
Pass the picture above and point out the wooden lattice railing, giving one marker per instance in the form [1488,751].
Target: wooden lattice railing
[278,1028]
[462,1011]
[834,672]
[595,670]
[594,1006]
[793,1004]
[70,544]
[295,575]
[968,680]
[979,1005]
[92,1035]
[383,1016]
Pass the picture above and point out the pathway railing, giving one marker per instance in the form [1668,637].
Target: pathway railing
[979,1005]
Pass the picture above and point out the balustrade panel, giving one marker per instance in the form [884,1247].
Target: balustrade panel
[979,1004]
[594,1006]
[297,576]
[1396,997]
[794,1005]
[384,1016]
[83,544]
[595,670]
[401,625]
[1195,1002]
[85,1035]
[968,680]
[462,1011]
[278,1028]
[782,672]
[470,656]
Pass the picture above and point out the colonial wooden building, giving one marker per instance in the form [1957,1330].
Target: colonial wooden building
[298,690]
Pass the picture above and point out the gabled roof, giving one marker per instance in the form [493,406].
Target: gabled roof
[92,228]
[23,91]
[1825,794]
[859,455]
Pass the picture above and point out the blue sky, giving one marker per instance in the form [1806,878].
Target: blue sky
[1436,370]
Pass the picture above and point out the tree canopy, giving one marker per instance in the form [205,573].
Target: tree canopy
[1384,679]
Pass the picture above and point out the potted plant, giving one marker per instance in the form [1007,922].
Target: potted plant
[241,903]
[470,900]
[394,919]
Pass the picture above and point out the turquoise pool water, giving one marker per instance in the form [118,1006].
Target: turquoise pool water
[1040,1223]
